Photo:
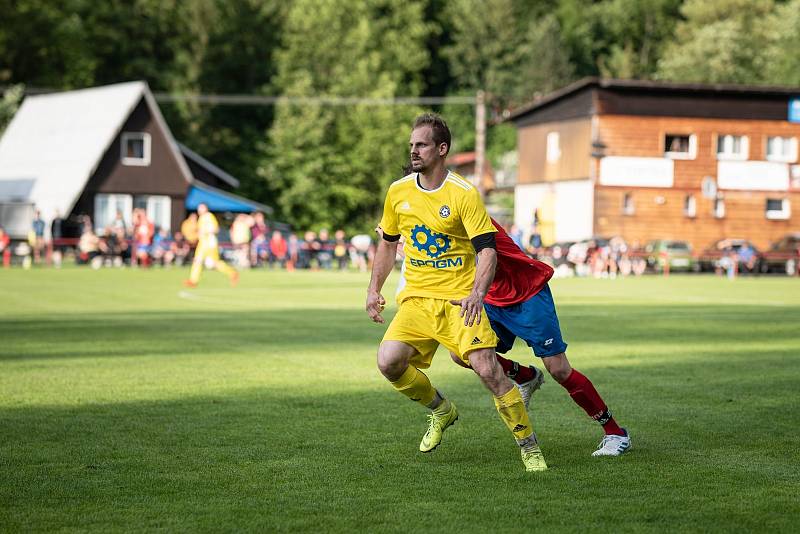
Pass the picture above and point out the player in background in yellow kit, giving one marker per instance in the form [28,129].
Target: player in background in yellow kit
[207,252]
[446,228]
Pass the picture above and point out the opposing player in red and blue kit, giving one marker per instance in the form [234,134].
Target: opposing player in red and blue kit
[519,305]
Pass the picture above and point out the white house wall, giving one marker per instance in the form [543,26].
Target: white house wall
[571,203]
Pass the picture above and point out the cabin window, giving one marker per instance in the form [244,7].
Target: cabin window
[105,212]
[158,209]
[135,148]
[680,146]
[778,209]
[627,204]
[732,146]
[719,208]
[690,206]
[553,147]
[782,149]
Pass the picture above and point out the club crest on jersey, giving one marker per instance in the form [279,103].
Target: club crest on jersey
[444,211]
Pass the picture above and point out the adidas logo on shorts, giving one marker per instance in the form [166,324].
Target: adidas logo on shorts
[476,341]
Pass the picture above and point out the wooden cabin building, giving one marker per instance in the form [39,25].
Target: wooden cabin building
[101,150]
[653,160]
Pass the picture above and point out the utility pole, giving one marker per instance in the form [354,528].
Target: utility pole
[480,139]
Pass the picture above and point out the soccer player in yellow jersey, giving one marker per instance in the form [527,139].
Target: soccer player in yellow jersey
[207,251]
[445,226]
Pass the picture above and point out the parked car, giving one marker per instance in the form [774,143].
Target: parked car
[678,254]
[717,256]
[783,256]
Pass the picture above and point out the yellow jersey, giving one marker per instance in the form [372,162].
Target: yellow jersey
[207,228]
[437,227]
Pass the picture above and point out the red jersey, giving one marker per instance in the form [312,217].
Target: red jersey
[518,277]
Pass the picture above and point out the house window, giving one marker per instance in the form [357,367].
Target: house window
[732,147]
[135,148]
[553,148]
[106,208]
[689,206]
[782,149]
[158,209]
[680,146]
[719,208]
[627,204]
[778,209]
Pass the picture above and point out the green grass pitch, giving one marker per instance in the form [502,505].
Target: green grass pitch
[130,404]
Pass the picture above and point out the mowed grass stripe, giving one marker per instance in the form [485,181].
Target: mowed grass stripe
[127,407]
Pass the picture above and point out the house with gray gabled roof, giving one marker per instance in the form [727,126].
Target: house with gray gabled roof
[101,150]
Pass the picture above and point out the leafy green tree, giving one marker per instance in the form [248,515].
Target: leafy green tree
[329,165]
[721,41]
[783,65]
[9,103]
[634,34]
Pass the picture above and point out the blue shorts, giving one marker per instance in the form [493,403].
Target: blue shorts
[534,320]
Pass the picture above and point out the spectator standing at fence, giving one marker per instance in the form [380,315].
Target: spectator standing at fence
[325,248]
[37,236]
[307,254]
[240,237]
[278,249]
[361,245]
[5,249]
[293,252]
[259,232]
[56,235]
[340,250]
[207,252]
[143,232]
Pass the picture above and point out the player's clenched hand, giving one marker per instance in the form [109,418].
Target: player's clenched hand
[471,308]
[375,305]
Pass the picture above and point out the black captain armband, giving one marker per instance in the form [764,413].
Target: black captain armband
[390,238]
[483,241]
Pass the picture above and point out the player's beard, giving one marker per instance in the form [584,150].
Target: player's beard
[417,165]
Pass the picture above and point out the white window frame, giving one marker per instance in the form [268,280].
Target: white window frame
[112,202]
[783,214]
[690,206]
[553,147]
[691,154]
[727,151]
[165,221]
[628,206]
[144,161]
[719,208]
[791,157]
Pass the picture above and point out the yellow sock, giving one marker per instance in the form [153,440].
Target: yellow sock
[513,413]
[416,386]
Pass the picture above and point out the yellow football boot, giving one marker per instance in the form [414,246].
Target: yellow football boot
[533,459]
[436,427]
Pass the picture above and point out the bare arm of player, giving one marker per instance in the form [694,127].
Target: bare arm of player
[472,305]
[382,265]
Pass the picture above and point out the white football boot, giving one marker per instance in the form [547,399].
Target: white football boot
[613,445]
[528,388]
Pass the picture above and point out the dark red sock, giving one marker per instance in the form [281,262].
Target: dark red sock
[516,372]
[583,393]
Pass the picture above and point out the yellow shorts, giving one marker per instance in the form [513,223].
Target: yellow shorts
[424,323]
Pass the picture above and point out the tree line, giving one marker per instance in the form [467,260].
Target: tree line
[320,165]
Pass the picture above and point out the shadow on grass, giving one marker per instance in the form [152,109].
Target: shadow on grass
[192,332]
[275,460]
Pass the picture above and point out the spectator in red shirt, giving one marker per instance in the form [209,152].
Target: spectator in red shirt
[278,249]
